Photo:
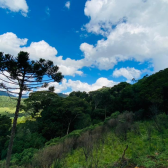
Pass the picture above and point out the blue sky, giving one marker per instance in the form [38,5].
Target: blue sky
[94,42]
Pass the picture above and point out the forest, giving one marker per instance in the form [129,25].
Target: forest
[122,126]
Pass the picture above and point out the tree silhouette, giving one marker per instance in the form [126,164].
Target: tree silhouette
[51,88]
[134,80]
[21,74]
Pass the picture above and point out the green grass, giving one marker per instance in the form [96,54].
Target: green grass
[141,151]
[7,110]
[10,113]
[7,102]
[8,107]
[144,150]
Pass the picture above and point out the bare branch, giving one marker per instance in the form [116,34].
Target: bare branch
[9,82]
[49,80]
[7,77]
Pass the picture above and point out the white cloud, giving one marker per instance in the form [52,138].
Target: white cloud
[68,4]
[12,87]
[4,79]
[105,13]
[139,32]
[73,85]
[10,43]
[128,73]
[59,87]
[47,11]
[15,6]
[80,86]
[64,85]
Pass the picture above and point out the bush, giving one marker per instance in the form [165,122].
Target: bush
[124,123]
[139,115]
[115,114]
[46,156]
[57,164]
[23,158]
[112,123]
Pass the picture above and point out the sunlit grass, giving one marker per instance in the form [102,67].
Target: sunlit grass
[10,112]
[141,151]
[7,111]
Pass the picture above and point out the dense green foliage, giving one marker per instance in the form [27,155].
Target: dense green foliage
[5,124]
[56,116]
[104,145]
[110,118]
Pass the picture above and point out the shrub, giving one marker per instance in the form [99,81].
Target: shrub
[23,158]
[115,114]
[124,123]
[112,123]
[45,157]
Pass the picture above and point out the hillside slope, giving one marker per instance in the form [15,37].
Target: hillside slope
[122,126]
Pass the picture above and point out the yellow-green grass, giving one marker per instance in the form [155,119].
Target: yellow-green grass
[7,110]
[10,113]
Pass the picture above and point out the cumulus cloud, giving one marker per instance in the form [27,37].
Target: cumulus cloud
[15,6]
[128,73]
[59,87]
[73,85]
[68,4]
[10,43]
[132,29]
[80,86]
[105,13]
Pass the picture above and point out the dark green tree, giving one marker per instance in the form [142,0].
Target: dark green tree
[38,101]
[51,88]
[5,124]
[73,109]
[23,74]
[82,95]
[57,116]
[106,101]
[43,105]
[96,97]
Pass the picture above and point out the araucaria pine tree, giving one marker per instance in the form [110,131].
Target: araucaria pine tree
[20,74]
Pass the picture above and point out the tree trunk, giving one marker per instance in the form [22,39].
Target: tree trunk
[13,130]
[105,113]
[95,106]
[68,127]
[124,152]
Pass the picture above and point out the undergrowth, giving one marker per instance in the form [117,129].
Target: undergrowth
[144,145]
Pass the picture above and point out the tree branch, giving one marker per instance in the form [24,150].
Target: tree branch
[9,82]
